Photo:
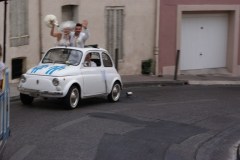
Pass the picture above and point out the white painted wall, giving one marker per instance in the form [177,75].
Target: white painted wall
[30,51]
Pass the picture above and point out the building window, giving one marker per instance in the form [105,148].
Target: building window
[115,19]
[19,35]
[70,13]
[18,67]
[106,60]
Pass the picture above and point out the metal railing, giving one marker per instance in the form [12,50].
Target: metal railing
[4,110]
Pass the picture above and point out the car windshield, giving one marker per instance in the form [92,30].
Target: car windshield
[63,56]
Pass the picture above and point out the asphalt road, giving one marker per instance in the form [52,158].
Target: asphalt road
[155,123]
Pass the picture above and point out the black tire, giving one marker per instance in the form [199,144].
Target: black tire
[26,99]
[115,93]
[72,98]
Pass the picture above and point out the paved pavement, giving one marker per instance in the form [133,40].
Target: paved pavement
[148,80]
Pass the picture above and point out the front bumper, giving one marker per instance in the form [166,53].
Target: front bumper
[37,93]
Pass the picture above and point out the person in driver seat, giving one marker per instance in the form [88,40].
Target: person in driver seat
[88,62]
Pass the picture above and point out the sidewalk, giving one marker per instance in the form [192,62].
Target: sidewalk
[151,80]
[199,79]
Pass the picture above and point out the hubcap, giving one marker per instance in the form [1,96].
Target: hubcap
[116,92]
[74,98]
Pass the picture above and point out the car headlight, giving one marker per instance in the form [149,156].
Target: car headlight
[23,79]
[55,82]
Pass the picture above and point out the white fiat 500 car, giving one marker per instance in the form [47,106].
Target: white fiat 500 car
[72,74]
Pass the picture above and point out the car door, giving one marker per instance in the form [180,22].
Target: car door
[93,78]
[108,70]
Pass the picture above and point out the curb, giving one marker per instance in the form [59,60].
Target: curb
[155,83]
[195,82]
[14,98]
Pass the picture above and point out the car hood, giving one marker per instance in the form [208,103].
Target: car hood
[53,70]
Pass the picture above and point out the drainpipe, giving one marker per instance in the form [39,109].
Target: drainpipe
[4,29]
[40,28]
[156,45]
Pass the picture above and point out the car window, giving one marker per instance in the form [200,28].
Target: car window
[63,56]
[95,58]
[107,62]
[74,57]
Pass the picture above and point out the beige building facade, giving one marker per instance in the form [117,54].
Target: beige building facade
[205,32]
[127,25]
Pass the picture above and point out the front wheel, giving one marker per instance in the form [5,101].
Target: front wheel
[72,98]
[115,93]
[26,99]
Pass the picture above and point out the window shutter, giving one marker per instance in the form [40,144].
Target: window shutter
[19,23]
[114,18]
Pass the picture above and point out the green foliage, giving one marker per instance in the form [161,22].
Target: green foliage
[147,66]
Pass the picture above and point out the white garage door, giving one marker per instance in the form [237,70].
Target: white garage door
[203,41]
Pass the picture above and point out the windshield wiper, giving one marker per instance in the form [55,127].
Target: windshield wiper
[71,62]
[61,62]
[47,60]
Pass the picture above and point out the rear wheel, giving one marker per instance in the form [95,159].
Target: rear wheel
[26,99]
[115,93]
[72,98]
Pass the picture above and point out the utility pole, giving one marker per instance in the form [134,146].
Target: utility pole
[4,29]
